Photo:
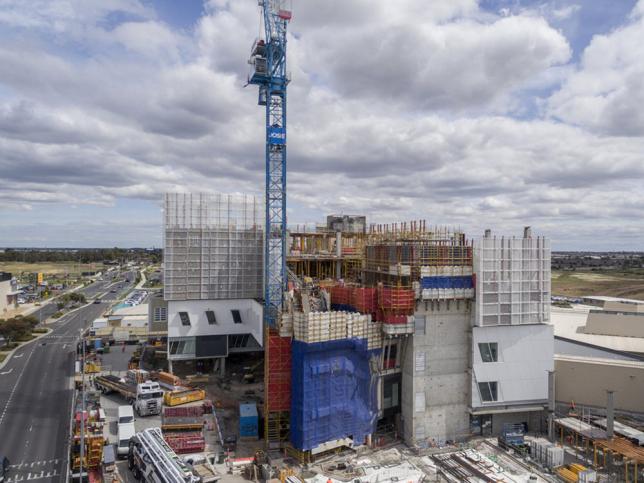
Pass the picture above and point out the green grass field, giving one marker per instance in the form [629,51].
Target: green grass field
[614,283]
[50,268]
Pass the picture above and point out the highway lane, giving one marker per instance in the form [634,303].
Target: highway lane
[36,396]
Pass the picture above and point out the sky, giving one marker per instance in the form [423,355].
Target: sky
[491,114]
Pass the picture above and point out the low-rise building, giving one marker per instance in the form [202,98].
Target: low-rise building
[8,293]
[213,253]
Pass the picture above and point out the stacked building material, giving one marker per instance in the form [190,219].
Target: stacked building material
[182,419]
[546,453]
[186,442]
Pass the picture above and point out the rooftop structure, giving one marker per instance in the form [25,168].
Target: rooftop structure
[570,324]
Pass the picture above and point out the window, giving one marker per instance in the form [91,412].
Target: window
[160,314]
[236,316]
[489,351]
[185,318]
[182,347]
[210,315]
[238,341]
[488,391]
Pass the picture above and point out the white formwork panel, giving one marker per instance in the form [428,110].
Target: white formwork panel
[512,280]
[213,246]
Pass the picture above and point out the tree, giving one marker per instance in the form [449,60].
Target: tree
[17,328]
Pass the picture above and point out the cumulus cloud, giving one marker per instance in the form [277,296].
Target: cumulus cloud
[606,93]
[397,110]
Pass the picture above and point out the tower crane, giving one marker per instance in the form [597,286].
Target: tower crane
[268,61]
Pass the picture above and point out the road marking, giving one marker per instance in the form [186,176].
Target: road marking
[18,356]
[6,372]
[13,390]
[31,464]
[30,477]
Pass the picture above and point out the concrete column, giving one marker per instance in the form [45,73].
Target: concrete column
[551,406]
[170,366]
[610,413]
[222,366]
[338,253]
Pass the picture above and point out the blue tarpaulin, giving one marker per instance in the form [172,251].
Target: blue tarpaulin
[333,392]
[446,282]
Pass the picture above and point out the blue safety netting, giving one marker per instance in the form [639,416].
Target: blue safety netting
[447,282]
[333,392]
[343,308]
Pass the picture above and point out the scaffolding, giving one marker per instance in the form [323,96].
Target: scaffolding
[316,254]
[398,255]
[513,280]
[213,247]
[277,388]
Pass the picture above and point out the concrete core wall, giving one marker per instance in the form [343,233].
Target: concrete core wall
[436,381]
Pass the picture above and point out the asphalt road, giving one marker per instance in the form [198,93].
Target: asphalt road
[36,395]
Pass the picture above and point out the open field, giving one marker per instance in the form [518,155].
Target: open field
[49,268]
[614,283]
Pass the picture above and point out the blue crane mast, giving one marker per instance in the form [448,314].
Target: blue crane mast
[268,61]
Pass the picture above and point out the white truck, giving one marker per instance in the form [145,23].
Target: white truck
[150,459]
[146,397]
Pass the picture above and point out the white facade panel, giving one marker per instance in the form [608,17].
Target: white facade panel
[250,312]
[525,355]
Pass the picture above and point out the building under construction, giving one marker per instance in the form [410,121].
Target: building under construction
[410,331]
[406,330]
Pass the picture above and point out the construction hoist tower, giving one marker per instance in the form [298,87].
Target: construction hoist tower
[268,61]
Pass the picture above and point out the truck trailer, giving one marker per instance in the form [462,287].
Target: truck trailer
[146,397]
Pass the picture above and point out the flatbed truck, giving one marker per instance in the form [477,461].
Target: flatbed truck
[146,397]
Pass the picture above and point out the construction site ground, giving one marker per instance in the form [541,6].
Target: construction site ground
[390,461]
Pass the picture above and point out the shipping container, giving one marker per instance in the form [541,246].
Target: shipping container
[248,421]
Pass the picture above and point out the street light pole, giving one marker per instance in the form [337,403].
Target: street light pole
[82,451]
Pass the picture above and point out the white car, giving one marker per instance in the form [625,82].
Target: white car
[125,432]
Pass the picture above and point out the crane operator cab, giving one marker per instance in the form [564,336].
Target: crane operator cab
[258,60]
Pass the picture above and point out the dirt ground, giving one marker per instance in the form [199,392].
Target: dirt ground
[608,283]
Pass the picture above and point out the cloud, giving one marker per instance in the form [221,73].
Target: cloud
[565,12]
[398,111]
[606,93]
